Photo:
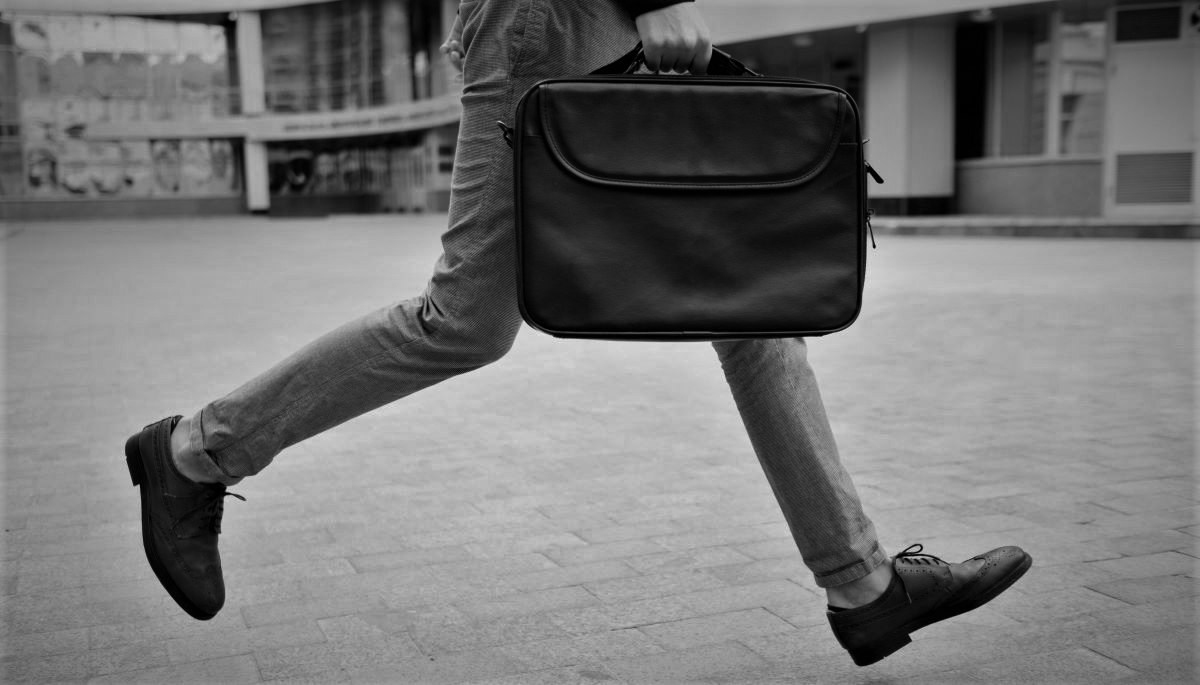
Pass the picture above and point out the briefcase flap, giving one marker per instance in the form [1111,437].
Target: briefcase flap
[690,133]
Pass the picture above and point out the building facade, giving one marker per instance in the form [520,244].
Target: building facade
[1051,108]
[311,108]
[1067,108]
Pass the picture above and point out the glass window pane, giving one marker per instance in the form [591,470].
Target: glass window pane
[1024,66]
[1083,60]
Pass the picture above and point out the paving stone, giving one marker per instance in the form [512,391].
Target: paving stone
[538,601]
[1150,486]
[1050,578]
[630,532]
[285,612]
[677,561]
[1084,435]
[604,551]
[615,616]
[425,591]
[1160,541]
[799,647]
[570,575]
[575,675]
[706,630]
[1137,504]
[447,635]
[1148,565]
[731,598]
[1167,654]
[709,664]
[801,611]
[30,645]
[405,558]
[710,538]
[447,668]
[1152,616]
[536,543]
[323,657]
[230,642]
[1053,604]
[1149,590]
[154,630]
[656,585]
[584,649]
[1068,666]
[84,664]
[47,614]
[762,570]
[234,669]
[769,549]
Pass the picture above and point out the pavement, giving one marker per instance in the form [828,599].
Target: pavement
[591,512]
[1173,228]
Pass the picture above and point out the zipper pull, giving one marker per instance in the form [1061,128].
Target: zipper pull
[871,231]
[874,174]
[508,133]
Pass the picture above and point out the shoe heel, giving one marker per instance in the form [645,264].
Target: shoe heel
[133,459]
[865,656]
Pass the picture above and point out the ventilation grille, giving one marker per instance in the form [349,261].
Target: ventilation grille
[1150,23]
[1154,178]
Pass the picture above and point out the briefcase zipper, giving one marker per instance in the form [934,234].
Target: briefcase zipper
[871,231]
[508,133]
[874,174]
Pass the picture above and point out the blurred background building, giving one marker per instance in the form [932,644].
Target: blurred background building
[134,107]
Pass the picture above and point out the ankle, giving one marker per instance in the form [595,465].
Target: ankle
[187,460]
[863,591]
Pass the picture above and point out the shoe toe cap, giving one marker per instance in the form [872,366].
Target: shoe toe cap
[1003,560]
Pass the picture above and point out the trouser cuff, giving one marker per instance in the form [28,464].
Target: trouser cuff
[855,571]
[212,469]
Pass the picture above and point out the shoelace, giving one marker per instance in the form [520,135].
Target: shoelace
[912,554]
[211,509]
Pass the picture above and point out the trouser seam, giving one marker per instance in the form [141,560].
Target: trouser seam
[316,391]
[453,304]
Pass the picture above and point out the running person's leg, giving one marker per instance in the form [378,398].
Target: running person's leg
[466,318]
[776,393]
[874,604]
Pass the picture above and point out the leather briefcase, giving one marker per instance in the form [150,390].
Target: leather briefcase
[679,207]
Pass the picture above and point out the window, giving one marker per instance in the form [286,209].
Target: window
[1023,73]
[60,73]
[351,54]
[1082,55]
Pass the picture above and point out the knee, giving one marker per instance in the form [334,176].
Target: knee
[471,342]
[481,345]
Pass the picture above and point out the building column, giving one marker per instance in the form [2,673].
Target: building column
[909,108]
[1196,121]
[254,103]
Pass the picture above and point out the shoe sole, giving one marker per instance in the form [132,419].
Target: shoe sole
[137,472]
[893,642]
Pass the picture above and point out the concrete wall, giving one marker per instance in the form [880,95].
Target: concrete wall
[1030,187]
[909,108]
[112,208]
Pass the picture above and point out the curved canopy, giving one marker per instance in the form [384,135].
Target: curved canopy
[730,20]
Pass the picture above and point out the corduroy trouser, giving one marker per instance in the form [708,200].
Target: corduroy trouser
[467,316]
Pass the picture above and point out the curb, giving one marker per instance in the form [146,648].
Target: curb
[1026,227]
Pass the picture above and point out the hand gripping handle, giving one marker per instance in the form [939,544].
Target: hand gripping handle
[720,64]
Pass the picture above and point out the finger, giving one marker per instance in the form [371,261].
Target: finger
[670,61]
[701,58]
[652,58]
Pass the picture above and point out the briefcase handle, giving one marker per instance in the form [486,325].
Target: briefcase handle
[721,64]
